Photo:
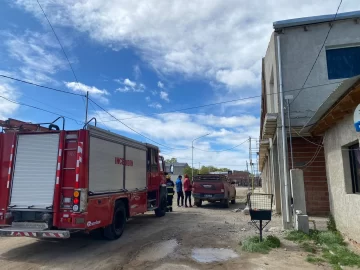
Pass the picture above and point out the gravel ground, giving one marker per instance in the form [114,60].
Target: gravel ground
[188,238]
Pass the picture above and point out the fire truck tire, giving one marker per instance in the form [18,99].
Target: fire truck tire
[116,228]
[161,211]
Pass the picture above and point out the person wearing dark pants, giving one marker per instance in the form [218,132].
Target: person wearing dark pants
[187,188]
[179,191]
[170,193]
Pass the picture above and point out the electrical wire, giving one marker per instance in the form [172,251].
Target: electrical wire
[142,135]
[317,57]
[37,108]
[77,122]
[223,149]
[39,85]
[306,138]
[144,116]
[62,48]
[222,102]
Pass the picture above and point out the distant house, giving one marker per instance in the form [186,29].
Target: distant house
[334,121]
[178,169]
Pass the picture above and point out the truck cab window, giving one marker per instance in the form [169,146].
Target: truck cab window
[161,160]
[154,160]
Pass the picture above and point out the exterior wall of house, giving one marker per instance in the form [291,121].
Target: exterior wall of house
[299,49]
[316,187]
[344,204]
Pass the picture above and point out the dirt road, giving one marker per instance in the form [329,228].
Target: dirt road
[189,238]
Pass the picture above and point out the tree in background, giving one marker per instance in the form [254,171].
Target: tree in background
[171,160]
[204,170]
[188,171]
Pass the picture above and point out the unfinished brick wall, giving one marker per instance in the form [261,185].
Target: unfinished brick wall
[316,188]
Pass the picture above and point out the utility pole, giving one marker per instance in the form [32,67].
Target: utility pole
[87,105]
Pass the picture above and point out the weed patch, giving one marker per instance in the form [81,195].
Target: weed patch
[253,244]
[330,243]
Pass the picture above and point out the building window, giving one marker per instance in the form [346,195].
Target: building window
[343,63]
[355,167]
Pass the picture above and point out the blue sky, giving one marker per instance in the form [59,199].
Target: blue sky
[139,60]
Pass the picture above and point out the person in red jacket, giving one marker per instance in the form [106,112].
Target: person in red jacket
[187,189]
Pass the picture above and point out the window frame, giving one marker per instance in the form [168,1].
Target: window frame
[354,168]
[329,57]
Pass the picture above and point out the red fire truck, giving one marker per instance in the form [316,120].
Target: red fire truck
[54,182]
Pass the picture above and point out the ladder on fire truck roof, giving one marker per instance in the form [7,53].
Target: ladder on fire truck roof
[13,125]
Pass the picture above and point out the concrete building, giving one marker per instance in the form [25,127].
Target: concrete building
[334,121]
[178,169]
[289,70]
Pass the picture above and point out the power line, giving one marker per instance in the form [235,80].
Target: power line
[77,122]
[134,129]
[62,48]
[224,150]
[37,108]
[317,57]
[39,85]
[223,102]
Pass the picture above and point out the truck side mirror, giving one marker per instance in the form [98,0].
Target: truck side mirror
[172,169]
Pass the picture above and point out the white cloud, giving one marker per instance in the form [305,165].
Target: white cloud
[137,71]
[130,83]
[160,85]
[238,78]
[130,86]
[219,40]
[7,108]
[155,105]
[93,91]
[38,55]
[164,96]
[179,129]
[148,99]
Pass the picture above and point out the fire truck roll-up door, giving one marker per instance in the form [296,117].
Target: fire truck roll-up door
[116,163]
[34,171]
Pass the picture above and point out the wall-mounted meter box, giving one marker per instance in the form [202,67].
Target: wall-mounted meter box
[357,118]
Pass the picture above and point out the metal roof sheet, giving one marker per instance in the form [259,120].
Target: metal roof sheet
[334,96]
[315,19]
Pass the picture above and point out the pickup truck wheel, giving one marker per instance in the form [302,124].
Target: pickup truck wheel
[225,203]
[116,228]
[161,210]
[233,201]
[198,203]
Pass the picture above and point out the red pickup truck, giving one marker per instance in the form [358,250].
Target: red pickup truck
[213,188]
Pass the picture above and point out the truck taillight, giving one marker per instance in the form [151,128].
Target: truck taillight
[79,200]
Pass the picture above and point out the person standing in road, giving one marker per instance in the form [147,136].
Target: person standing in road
[187,188]
[170,193]
[179,190]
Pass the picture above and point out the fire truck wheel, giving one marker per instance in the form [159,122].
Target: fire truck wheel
[116,228]
[161,211]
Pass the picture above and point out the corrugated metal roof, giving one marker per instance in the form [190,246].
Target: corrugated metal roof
[316,19]
[331,100]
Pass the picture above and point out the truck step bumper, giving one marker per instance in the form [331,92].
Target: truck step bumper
[21,232]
